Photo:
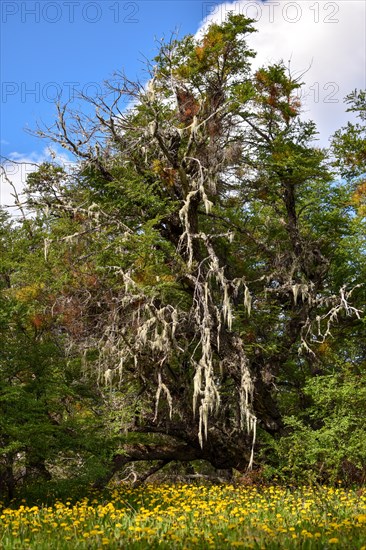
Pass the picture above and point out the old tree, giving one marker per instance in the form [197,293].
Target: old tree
[200,259]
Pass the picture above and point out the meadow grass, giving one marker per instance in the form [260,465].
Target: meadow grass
[193,516]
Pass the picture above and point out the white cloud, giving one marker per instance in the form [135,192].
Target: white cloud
[17,166]
[326,39]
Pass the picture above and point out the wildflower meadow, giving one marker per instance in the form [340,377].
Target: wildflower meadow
[193,516]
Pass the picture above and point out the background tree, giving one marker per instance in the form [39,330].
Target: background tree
[49,410]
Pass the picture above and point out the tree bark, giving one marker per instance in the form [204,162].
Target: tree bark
[140,452]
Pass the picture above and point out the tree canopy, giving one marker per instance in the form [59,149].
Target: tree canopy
[193,287]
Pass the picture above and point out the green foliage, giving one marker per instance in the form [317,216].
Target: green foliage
[326,442]
[221,53]
[349,143]
[46,404]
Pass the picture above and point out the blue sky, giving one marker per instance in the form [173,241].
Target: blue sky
[53,45]
[47,46]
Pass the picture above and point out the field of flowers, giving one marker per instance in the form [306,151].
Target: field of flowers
[193,516]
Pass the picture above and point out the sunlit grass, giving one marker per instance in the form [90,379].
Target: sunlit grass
[194,516]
